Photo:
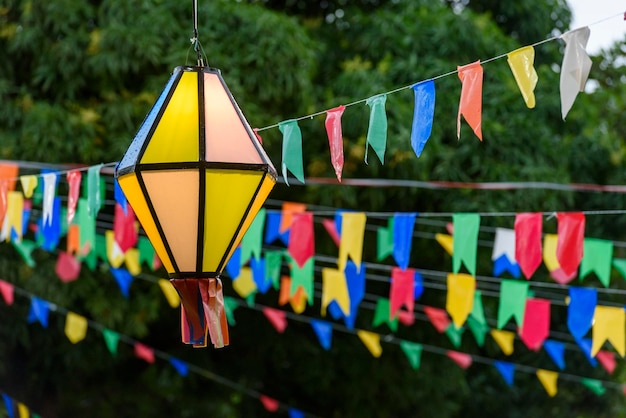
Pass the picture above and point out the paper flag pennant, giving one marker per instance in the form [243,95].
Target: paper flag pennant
[301,240]
[371,340]
[49,190]
[93,189]
[402,291]
[446,241]
[8,404]
[528,228]
[324,332]
[582,305]
[111,339]
[292,150]
[503,264]
[273,264]
[597,256]
[273,229]
[549,252]
[50,232]
[418,286]
[512,301]
[131,261]
[295,413]
[67,267]
[471,103]
[478,312]
[123,279]
[352,232]
[455,335]
[244,285]
[507,370]
[504,339]
[403,224]
[504,244]
[377,131]
[620,266]
[355,280]
[181,367]
[556,351]
[335,288]
[75,327]
[233,265]
[384,240]
[299,300]
[381,315]
[277,318]
[521,62]
[262,282]
[13,221]
[479,330]
[73,180]
[423,115]
[170,293]
[548,380]
[270,404]
[288,212]
[609,324]
[569,247]
[413,352]
[593,385]
[144,352]
[7,292]
[607,360]
[575,67]
[460,297]
[466,227]
[29,183]
[25,249]
[23,412]
[252,241]
[463,360]
[124,229]
[335,138]
[536,326]
[438,318]
[329,226]
[39,310]
[585,347]
[303,277]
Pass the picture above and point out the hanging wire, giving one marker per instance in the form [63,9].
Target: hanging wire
[195,41]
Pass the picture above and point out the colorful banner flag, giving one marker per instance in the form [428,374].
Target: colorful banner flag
[377,131]
[335,138]
[471,102]
[292,150]
[423,115]
[521,62]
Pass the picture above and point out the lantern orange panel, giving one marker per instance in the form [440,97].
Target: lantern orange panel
[175,138]
[132,191]
[174,197]
[227,139]
[228,197]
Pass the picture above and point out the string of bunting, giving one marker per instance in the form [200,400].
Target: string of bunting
[14,406]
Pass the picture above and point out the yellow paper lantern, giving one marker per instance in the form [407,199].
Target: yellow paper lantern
[196,175]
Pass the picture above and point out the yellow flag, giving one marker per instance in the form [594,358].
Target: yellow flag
[521,63]
[504,339]
[244,285]
[334,287]
[549,252]
[548,380]
[371,341]
[15,209]
[114,252]
[75,327]
[170,293]
[352,231]
[298,300]
[28,185]
[608,325]
[460,299]
[22,410]
[446,241]
[132,261]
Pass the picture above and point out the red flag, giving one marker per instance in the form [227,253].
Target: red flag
[438,317]
[67,267]
[569,245]
[124,229]
[528,242]
[402,291]
[471,103]
[144,352]
[463,360]
[6,289]
[73,180]
[607,360]
[536,326]
[270,404]
[335,138]
[277,318]
[301,238]
[331,228]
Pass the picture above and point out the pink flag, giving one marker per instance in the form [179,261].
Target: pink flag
[277,318]
[607,360]
[463,360]
[144,352]
[536,326]
[438,317]
[528,252]
[471,103]
[73,180]
[124,229]
[6,289]
[270,404]
[335,138]
[301,238]
[569,246]
[67,267]
[331,228]
[402,291]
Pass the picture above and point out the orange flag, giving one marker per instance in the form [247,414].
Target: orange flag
[471,104]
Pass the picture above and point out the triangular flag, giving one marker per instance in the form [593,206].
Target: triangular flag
[25,250]
[528,228]
[466,227]
[609,324]
[123,279]
[504,339]
[335,288]
[295,413]
[371,340]
[6,290]
[29,183]
[22,411]
[335,138]
[244,285]
[607,360]
[593,385]
[549,252]
[512,301]
[471,103]
[170,293]
[460,297]
[277,318]
[324,332]
[75,327]
[620,266]
[585,347]
[384,240]
[301,239]
[270,404]
[144,352]
[506,369]
[438,318]
[181,367]
[111,339]
[292,149]
[252,241]
[536,326]
[446,241]
[230,304]
[548,380]
[352,232]
[580,310]
[478,330]
[413,352]
[403,224]
[73,181]
[423,115]
[377,131]
[597,257]
[455,335]
[303,277]
[556,351]
[463,360]
[402,291]
[331,228]
[575,67]
[569,247]
[8,404]
[93,189]
[521,62]
[381,315]
[39,310]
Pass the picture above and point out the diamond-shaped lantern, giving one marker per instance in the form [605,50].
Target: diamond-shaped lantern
[196,176]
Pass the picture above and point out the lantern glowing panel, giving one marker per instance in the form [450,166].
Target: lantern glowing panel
[196,176]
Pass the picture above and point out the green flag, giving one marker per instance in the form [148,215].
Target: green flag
[593,385]
[465,241]
[377,131]
[455,334]
[252,241]
[413,352]
[513,294]
[303,277]
[111,339]
[292,149]
[479,330]
[384,241]
[381,315]
[597,256]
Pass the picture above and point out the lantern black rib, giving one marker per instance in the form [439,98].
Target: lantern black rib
[194,165]
[201,173]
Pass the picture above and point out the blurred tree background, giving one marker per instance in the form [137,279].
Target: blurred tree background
[77,78]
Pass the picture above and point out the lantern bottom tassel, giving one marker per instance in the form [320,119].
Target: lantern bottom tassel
[202,311]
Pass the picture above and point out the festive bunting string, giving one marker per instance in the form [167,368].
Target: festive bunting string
[149,353]
[11,405]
